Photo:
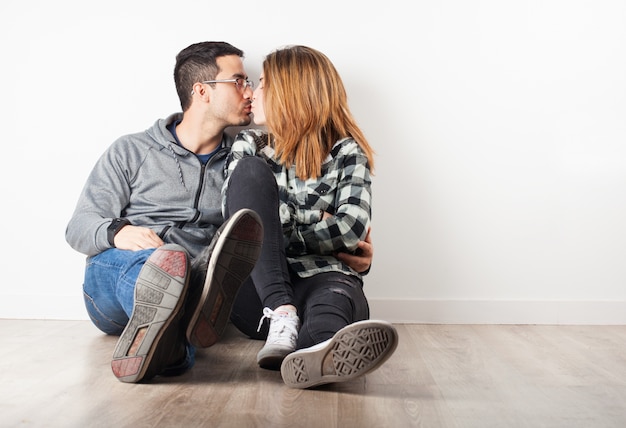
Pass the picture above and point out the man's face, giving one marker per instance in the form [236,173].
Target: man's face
[231,102]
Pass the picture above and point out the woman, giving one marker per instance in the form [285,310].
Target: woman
[322,163]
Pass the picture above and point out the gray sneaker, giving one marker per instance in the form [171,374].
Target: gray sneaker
[153,339]
[218,273]
[353,351]
[281,338]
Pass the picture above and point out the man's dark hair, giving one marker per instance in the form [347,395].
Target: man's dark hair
[197,63]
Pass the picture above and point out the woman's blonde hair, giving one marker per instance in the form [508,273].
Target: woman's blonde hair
[306,109]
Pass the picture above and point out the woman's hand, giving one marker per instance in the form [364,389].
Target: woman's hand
[361,260]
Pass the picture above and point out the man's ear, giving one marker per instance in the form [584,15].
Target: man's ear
[200,90]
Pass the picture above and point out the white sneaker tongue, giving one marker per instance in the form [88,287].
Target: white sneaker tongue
[283,313]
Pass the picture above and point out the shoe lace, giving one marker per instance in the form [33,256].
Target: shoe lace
[283,326]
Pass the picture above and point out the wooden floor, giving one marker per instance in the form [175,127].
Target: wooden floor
[57,374]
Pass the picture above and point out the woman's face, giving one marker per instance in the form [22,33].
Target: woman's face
[257,103]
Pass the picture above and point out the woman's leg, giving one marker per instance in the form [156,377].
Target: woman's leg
[337,342]
[247,311]
[269,294]
[253,185]
[327,302]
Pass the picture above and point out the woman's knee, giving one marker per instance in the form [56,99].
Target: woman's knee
[252,185]
[336,302]
[341,295]
[252,170]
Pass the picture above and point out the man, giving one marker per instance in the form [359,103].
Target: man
[163,268]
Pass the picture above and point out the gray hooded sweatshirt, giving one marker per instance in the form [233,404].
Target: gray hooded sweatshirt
[150,180]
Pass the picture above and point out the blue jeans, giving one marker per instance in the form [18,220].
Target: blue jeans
[109,293]
[109,287]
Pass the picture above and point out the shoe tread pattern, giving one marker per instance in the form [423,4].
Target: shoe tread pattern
[230,264]
[351,353]
[159,286]
[357,350]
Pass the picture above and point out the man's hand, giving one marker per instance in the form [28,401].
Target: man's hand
[136,238]
[361,260]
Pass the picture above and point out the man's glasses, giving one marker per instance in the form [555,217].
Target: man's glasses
[239,82]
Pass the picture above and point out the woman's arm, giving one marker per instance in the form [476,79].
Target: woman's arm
[344,193]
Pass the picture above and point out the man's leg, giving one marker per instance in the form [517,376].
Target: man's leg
[217,275]
[109,287]
[139,295]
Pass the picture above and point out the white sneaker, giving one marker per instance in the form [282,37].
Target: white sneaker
[281,339]
[353,351]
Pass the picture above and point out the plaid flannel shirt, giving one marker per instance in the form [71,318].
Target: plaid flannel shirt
[343,190]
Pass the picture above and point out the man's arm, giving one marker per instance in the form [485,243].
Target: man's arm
[136,238]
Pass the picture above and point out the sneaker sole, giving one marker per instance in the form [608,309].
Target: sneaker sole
[355,350]
[233,258]
[162,281]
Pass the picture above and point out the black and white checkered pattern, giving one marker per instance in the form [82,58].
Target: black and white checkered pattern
[343,190]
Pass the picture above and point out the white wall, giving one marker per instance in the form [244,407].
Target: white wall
[500,128]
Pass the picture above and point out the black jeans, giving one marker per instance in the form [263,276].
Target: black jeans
[326,302]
